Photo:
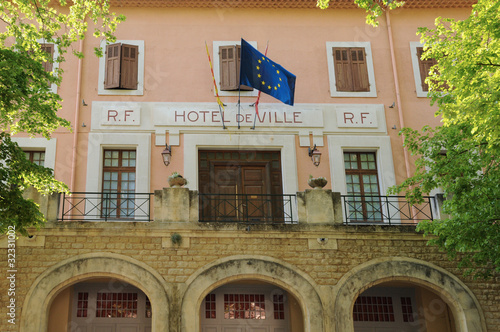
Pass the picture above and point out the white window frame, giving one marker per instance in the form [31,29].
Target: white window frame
[216,66]
[369,65]
[380,145]
[39,144]
[140,71]
[416,69]
[98,142]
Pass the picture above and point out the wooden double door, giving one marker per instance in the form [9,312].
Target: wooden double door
[241,186]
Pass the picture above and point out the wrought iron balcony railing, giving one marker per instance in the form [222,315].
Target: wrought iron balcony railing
[104,206]
[247,208]
[386,209]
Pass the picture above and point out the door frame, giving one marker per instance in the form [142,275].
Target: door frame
[239,209]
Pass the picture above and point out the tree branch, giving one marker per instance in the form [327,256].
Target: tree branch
[489,64]
[39,14]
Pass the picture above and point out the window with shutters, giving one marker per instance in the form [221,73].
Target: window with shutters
[351,73]
[226,66]
[424,68]
[49,48]
[121,66]
[121,70]
[53,54]
[229,59]
[421,68]
[350,67]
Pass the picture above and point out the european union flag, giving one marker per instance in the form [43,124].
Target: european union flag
[265,75]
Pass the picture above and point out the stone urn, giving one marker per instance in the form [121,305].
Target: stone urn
[176,180]
[317,183]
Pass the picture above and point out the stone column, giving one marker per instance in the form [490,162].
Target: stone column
[318,206]
[176,205]
[48,204]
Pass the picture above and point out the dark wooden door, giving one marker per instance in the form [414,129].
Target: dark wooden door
[255,191]
[240,186]
[242,191]
[225,184]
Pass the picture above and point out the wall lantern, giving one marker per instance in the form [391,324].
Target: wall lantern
[315,155]
[166,155]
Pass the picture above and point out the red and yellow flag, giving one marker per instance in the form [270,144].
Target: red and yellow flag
[213,77]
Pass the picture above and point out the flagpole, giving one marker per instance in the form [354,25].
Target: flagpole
[239,105]
[256,104]
[254,118]
[219,102]
[222,117]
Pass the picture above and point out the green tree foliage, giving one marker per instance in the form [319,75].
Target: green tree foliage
[16,174]
[373,8]
[26,101]
[462,157]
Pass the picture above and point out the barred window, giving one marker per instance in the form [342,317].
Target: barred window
[244,306]
[82,304]
[373,309]
[116,305]
[210,306]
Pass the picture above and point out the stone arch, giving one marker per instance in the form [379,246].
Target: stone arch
[261,268]
[462,302]
[34,316]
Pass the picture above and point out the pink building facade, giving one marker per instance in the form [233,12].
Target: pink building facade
[249,247]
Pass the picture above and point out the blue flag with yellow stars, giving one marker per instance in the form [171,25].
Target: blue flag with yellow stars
[263,74]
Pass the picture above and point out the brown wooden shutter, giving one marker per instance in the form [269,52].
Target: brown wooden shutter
[112,71]
[129,66]
[343,75]
[49,48]
[424,67]
[228,60]
[359,70]
[351,70]
[238,65]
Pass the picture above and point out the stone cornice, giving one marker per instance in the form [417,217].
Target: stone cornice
[278,4]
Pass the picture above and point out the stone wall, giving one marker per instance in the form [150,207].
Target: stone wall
[320,264]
